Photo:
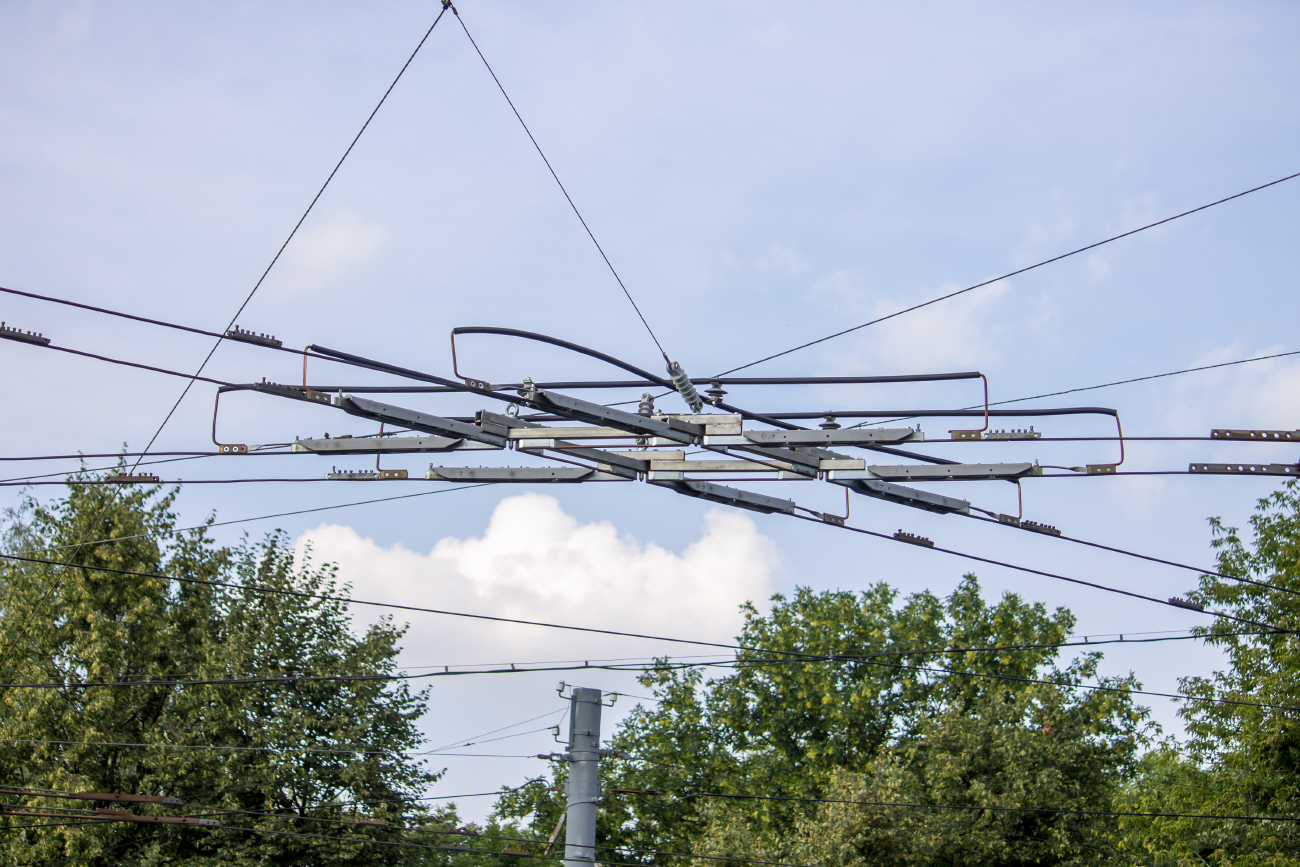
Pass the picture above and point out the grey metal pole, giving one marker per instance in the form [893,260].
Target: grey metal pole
[583,789]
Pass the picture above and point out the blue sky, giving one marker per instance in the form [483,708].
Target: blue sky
[761,174]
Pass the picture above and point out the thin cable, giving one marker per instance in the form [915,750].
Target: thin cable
[560,184]
[1045,574]
[473,738]
[628,664]
[259,518]
[513,670]
[1149,558]
[1108,385]
[1059,810]
[1012,273]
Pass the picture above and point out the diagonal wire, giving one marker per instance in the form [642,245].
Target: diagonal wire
[558,182]
[1103,385]
[13,643]
[1012,273]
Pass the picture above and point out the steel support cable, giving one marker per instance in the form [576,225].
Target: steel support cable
[23,629]
[663,663]
[560,184]
[626,667]
[618,633]
[212,812]
[1031,571]
[1148,557]
[991,809]
[759,462]
[1014,273]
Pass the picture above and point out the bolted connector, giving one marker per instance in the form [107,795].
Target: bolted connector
[913,539]
[647,405]
[685,387]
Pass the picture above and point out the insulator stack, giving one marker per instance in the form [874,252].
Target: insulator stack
[685,387]
[647,405]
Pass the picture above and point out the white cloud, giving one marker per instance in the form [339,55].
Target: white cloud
[331,250]
[534,561]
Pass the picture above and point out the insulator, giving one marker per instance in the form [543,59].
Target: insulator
[685,387]
[716,393]
[830,423]
[647,405]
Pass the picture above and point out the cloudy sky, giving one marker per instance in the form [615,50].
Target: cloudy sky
[761,174]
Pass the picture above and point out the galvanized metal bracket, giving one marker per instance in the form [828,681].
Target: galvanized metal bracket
[1246,469]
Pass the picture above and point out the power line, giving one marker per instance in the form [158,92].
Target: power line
[196,376]
[595,630]
[1108,385]
[625,664]
[1152,376]
[1045,574]
[991,809]
[262,518]
[1012,274]
[559,183]
[1151,559]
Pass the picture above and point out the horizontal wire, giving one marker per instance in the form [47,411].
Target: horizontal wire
[1013,273]
[472,738]
[626,664]
[1109,385]
[595,630]
[1042,573]
[758,468]
[992,809]
[258,518]
[1148,557]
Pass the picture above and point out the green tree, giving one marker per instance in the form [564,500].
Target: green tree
[1239,759]
[335,750]
[922,728]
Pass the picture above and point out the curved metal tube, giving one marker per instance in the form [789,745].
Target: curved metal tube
[553,341]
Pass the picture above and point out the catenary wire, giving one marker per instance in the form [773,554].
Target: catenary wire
[560,184]
[1109,385]
[993,809]
[22,631]
[1045,574]
[1152,559]
[626,664]
[1010,274]
[461,742]
[817,520]
[24,481]
[512,670]
[260,518]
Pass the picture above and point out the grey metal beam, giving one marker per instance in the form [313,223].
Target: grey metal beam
[376,411]
[729,496]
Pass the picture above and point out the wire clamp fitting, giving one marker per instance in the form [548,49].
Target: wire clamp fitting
[913,539]
[132,479]
[253,337]
[23,336]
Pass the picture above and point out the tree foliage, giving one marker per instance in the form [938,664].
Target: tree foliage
[1239,760]
[967,730]
[334,750]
